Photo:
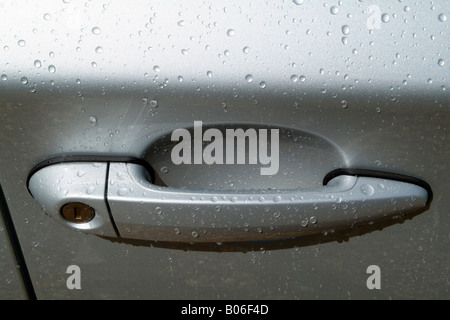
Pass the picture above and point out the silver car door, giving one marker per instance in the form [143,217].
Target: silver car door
[357,90]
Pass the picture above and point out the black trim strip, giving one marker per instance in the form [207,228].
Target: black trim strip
[16,246]
[381,175]
[116,230]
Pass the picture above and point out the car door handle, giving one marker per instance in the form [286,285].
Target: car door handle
[126,204]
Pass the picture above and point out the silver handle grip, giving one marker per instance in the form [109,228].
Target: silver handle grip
[127,205]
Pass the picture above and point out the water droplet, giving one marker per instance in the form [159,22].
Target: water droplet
[298,2]
[153,103]
[21,43]
[378,163]
[385,17]
[344,104]
[442,17]
[344,40]
[99,49]
[224,106]
[122,191]
[277,199]
[367,189]
[94,64]
[313,220]
[158,210]
[195,234]
[37,63]
[276,215]
[164,169]
[47,17]
[294,78]
[181,23]
[246,50]
[51,68]
[302,78]
[81,173]
[249,78]
[96,30]
[180,78]
[156,69]
[24,80]
[230,32]
[334,10]
[345,29]
[441,62]
[93,121]
[209,74]
[4,77]
[263,84]
[90,190]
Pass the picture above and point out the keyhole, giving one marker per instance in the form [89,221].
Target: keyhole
[76,216]
[77,212]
